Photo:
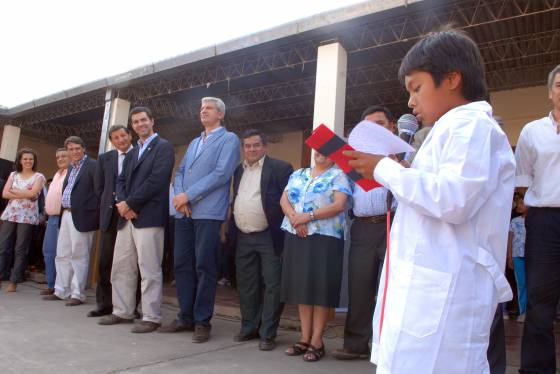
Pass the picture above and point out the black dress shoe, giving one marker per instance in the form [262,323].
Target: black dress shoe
[267,345]
[243,337]
[98,313]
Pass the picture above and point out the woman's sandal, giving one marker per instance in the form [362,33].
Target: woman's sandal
[314,354]
[297,349]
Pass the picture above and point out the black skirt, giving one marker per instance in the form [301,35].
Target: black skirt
[312,270]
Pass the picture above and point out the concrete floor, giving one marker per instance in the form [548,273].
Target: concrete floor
[47,337]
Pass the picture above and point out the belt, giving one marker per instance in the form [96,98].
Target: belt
[254,232]
[372,219]
[66,209]
[369,219]
[545,208]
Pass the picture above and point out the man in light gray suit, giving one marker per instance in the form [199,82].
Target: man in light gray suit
[202,187]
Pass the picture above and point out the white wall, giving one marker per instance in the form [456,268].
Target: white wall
[46,160]
[288,149]
[519,107]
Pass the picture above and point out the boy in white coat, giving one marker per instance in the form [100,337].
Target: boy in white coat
[449,237]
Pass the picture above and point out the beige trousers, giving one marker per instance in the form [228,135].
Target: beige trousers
[72,259]
[143,249]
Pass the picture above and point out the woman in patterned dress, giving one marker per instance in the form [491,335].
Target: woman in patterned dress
[22,212]
[314,202]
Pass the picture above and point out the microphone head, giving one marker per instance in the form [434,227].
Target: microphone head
[407,123]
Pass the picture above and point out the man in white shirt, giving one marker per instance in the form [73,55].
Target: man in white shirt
[258,184]
[368,241]
[538,172]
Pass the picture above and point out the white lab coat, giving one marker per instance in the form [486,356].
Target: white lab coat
[448,247]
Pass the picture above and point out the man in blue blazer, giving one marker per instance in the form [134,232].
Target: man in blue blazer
[79,220]
[202,188]
[143,206]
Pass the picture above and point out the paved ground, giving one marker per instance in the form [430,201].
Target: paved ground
[47,337]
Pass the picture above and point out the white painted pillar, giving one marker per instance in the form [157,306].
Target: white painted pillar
[116,113]
[330,100]
[330,87]
[10,141]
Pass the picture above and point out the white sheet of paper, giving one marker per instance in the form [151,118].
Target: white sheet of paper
[370,137]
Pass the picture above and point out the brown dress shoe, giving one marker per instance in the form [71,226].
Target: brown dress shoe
[142,327]
[47,291]
[112,319]
[74,302]
[52,297]
[11,287]
[201,334]
[176,326]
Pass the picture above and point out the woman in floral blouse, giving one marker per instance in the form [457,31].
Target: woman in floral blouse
[21,214]
[313,202]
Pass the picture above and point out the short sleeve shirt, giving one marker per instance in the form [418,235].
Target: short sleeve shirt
[517,227]
[23,210]
[307,194]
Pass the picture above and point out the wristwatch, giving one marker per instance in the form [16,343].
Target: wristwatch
[312,215]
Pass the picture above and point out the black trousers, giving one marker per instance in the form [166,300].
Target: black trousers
[259,273]
[542,260]
[103,291]
[365,260]
[22,233]
[497,346]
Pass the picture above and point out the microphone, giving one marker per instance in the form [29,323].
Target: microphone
[407,125]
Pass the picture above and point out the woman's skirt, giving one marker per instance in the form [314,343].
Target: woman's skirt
[312,270]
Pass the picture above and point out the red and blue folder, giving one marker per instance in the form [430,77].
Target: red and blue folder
[327,143]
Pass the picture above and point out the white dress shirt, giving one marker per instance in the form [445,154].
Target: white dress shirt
[538,162]
[120,159]
[145,144]
[371,203]
[248,209]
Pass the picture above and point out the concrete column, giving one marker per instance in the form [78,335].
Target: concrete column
[330,100]
[116,113]
[10,141]
[330,87]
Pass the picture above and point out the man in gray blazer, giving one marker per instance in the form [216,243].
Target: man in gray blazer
[202,188]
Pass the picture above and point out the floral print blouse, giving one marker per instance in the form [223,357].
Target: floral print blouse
[23,210]
[306,194]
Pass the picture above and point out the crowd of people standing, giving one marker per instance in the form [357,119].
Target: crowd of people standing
[290,228]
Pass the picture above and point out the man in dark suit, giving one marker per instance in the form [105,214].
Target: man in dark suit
[143,206]
[258,184]
[109,167]
[79,220]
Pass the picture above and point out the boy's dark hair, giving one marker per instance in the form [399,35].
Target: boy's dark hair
[116,128]
[254,132]
[19,155]
[446,51]
[378,108]
[141,109]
